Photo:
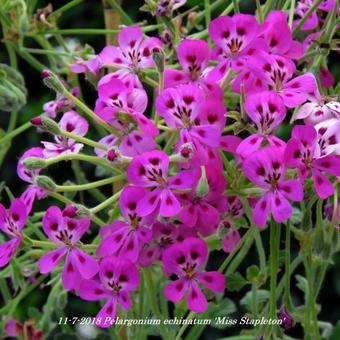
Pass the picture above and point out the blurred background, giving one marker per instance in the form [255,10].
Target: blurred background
[89,14]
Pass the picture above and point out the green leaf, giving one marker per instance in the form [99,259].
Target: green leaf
[235,282]
[262,298]
[222,309]
[296,216]
[302,283]
[252,273]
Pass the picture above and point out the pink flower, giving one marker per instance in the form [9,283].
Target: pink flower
[329,137]
[203,213]
[126,239]
[276,72]
[115,100]
[164,235]
[71,122]
[186,260]
[26,330]
[193,56]
[317,109]
[230,236]
[266,169]
[303,152]
[118,277]
[201,121]
[32,191]
[66,231]
[236,39]
[267,111]
[234,208]
[133,53]
[150,170]
[82,66]
[11,223]
[53,107]
[278,36]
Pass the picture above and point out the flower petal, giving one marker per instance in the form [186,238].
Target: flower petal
[50,260]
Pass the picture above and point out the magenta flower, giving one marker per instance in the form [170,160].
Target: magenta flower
[267,170]
[150,170]
[230,236]
[82,66]
[200,121]
[203,213]
[127,238]
[303,152]
[65,231]
[61,103]
[276,72]
[118,277]
[267,111]
[29,176]
[193,56]
[234,208]
[133,53]
[11,223]
[329,137]
[317,109]
[278,36]
[164,235]
[236,39]
[186,260]
[70,122]
[312,22]
[115,98]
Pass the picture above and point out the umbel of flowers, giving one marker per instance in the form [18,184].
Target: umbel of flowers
[199,164]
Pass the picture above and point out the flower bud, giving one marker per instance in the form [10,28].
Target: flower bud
[112,155]
[46,183]
[50,125]
[82,211]
[159,59]
[37,121]
[32,163]
[45,74]
[203,186]
[53,82]
[185,151]
[70,211]
[287,320]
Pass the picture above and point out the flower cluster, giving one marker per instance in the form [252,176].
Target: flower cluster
[185,179]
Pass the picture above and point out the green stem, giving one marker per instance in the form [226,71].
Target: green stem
[6,295]
[106,203]
[64,8]
[274,266]
[83,140]
[259,11]
[286,297]
[291,13]
[236,6]
[151,290]
[207,11]
[306,16]
[125,18]
[14,133]
[88,186]
[260,250]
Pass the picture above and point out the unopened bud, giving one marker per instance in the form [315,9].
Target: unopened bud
[112,155]
[50,125]
[32,163]
[53,82]
[82,211]
[159,59]
[203,186]
[37,121]
[46,183]
[185,150]
[70,211]
[44,74]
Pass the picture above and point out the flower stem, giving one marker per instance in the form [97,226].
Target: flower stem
[83,140]
[106,203]
[306,16]
[15,133]
[151,290]
[286,296]
[88,186]
[275,230]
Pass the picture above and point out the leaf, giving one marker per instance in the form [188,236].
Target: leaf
[235,282]
[297,216]
[252,273]
[302,283]
[221,310]
[262,298]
